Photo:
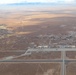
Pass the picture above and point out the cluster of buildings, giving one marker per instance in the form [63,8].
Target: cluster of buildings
[54,41]
[53,46]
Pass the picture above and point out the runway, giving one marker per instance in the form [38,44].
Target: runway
[62,60]
[39,60]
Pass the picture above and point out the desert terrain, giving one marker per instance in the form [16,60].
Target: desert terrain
[33,55]
[71,55]
[71,69]
[30,68]
[19,28]
[42,28]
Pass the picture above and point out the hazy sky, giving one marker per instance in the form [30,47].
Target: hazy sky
[17,1]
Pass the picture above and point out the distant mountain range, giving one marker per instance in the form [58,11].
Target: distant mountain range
[39,3]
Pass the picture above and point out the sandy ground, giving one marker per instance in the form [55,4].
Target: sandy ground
[29,68]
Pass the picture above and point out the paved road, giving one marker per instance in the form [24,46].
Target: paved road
[39,60]
[42,49]
[63,56]
[52,49]
[14,51]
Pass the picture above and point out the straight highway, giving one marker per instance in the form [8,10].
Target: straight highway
[62,60]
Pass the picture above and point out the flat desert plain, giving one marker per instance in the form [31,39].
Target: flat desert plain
[29,68]
[20,27]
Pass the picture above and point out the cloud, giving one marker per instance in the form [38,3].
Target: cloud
[42,0]
[10,1]
[52,1]
[69,1]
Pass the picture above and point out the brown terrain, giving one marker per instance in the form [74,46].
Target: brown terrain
[42,55]
[71,69]
[34,55]
[23,29]
[7,54]
[71,55]
[19,28]
[29,69]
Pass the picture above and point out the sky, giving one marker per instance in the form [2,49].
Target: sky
[18,1]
